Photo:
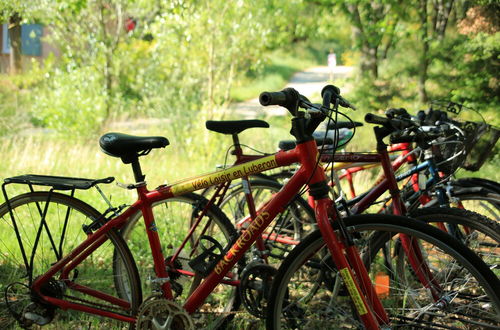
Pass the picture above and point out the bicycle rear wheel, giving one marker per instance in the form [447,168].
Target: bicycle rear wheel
[64,217]
[307,293]
[483,202]
[478,182]
[173,219]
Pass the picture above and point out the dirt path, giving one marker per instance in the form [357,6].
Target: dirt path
[308,83]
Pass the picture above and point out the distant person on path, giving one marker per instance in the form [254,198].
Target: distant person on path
[332,63]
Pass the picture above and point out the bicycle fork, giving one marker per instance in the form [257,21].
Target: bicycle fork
[348,262]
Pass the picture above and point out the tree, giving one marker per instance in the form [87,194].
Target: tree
[374,25]
[88,32]
[434,16]
[12,12]
[477,57]
[15,43]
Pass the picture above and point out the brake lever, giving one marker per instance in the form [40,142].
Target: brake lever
[346,104]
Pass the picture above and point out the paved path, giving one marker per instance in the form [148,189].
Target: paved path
[308,83]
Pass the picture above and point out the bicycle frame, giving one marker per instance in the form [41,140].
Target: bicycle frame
[305,154]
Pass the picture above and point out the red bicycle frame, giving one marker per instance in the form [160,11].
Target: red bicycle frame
[349,264]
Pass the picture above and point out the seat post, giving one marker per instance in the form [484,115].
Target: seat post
[237,147]
[136,167]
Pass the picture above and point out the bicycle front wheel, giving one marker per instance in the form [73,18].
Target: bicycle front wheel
[308,293]
[37,229]
[477,232]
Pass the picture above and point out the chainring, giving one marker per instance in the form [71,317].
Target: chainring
[159,313]
[255,285]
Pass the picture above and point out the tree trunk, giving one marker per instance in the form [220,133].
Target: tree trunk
[108,64]
[424,59]
[369,61]
[424,66]
[15,43]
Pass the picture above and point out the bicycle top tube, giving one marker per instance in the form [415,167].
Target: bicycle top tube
[280,159]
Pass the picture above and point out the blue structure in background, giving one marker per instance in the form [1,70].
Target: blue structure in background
[31,43]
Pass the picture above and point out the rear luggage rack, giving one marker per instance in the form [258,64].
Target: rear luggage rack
[57,182]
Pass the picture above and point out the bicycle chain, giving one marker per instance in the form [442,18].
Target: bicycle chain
[91,303]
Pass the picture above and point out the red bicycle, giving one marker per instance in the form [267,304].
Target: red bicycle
[196,273]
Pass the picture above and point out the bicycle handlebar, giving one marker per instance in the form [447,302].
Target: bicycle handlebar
[331,94]
[395,112]
[393,124]
[403,129]
[272,98]
[288,98]
[377,120]
[343,124]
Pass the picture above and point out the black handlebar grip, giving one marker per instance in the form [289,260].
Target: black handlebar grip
[288,98]
[378,120]
[330,89]
[272,98]
[327,93]
[395,112]
[421,138]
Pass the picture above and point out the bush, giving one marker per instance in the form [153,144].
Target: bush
[71,102]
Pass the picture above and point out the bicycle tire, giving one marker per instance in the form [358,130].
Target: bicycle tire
[478,233]
[172,220]
[479,182]
[294,222]
[334,308]
[65,217]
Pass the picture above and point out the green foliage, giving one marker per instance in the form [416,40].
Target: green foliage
[478,84]
[71,101]
[186,60]
[183,57]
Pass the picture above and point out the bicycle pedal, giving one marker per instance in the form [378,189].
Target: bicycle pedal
[206,260]
[200,266]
